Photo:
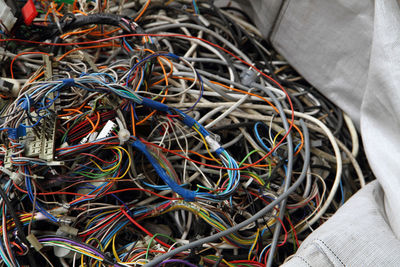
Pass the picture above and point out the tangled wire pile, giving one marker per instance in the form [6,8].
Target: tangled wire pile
[162,133]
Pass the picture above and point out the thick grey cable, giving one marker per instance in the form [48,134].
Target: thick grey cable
[289,170]
[255,217]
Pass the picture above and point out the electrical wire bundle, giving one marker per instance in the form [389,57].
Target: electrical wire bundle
[162,133]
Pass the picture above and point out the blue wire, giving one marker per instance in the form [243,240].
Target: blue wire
[201,91]
[342,191]
[258,135]
[262,252]
[196,9]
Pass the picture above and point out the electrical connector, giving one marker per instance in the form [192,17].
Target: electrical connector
[107,129]
[248,77]
[34,242]
[29,12]
[7,18]
[69,230]
[214,145]
[5,86]
[16,177]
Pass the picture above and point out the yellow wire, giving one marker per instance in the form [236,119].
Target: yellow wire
[257,178]
[114,249]
[72,247]
[205,143]
[227,263]
[129,163]
[276,137]
[99,243]
[112,168]
[254,244]
[106,212]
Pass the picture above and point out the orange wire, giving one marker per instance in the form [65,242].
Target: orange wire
[97,123]
[211,159]
[168,75]
[104,5]
[133,122]
[166,91]
[234,89]
[80,12]
[20,54]
[36,77]
[294,126]
[264,99]
[143,10]
[86,47]
[69,114]
[57,11]
[62,5]
[98,33]
[80,112]
[78,32]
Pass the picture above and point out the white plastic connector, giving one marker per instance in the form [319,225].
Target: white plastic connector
[69,230]
[16,177]
[248,77]
[34,242]
[245,185]
[84,140]
[64,145]
[214,145]
[9,86]
[6,16]
[60,210]
[107,129]
[123,136]
[93,136]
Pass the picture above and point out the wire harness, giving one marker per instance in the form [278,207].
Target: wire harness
[149,133]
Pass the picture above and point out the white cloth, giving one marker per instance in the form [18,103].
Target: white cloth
[350,51]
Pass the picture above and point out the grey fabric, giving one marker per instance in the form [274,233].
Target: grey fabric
[350,51]
[329,43]
[263,13]
[357,235]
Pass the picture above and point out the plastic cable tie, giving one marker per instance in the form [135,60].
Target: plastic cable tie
[214,145]
[219,151]
[68,82]
[26,102]
[123,136]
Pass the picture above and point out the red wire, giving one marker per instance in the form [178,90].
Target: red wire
[106,193]
[200,39]
[102,224]
[279,245]
[190,37]
[21,252]
[143,229]
[247,262]
[99,159]
[294,231]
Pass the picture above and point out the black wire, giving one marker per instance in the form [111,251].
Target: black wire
[18,224]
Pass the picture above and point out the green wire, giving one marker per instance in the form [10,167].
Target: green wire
[152,239]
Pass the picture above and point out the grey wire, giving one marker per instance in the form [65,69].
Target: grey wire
[204,29]
[255,217]
[289,170]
